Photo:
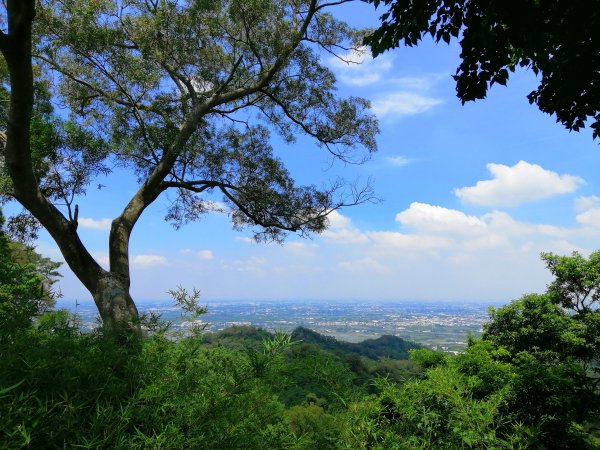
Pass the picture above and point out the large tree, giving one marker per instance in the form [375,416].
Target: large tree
[557,39]
[183,93]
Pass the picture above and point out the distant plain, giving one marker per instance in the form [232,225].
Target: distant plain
[441,325]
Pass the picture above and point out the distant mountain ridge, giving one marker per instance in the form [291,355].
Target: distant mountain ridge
[386,346]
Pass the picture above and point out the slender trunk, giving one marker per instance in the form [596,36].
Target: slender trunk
[109,289]
[120,317]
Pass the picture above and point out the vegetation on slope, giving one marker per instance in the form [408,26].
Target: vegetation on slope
[530,382]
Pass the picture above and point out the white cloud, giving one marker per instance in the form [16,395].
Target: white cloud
[95,224]
[403,103]
[513,186]
[437,219]
[338,220]
[149,260]
[205,255]
[450,229]
[590,218]
[398,161]
[401,96]
[440,252]
[392,241]
[342,231]
[436,229]
[589,211]
[245,239]
[445,232]
[358,68]
[502,223]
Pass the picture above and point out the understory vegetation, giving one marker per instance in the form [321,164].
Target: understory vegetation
[530,382]
[244,388]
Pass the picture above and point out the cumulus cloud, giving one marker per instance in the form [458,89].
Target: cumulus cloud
[403,103]
[589,211]
[148,260]
[424,217]
[501,222]
[590,218]
[338,220]
[341,230]
[95,224]
[439,250]
[516,185]
[452,235]
[205,255]
[493,229]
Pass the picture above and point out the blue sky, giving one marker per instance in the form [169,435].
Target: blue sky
[470,196]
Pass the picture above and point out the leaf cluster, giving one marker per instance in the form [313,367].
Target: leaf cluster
[186,92]
[557,40]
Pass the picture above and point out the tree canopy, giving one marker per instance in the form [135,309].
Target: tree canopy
[530,381]
[557,40]
[577,281]
[184,94]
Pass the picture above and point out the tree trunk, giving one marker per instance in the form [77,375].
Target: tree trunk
[120,317]
[110,289]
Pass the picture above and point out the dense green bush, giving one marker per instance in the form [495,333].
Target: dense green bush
[79,390]
[25,279]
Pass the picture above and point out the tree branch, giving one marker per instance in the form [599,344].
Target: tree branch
[153,186]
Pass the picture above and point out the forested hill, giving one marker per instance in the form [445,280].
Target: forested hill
[386,346]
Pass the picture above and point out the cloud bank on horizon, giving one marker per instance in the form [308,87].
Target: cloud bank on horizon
[426,251]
